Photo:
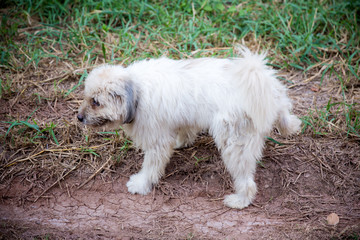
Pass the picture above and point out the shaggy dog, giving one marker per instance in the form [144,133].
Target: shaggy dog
[162,104]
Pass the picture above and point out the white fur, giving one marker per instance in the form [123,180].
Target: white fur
[237,100]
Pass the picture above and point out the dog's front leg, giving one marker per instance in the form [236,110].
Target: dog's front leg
[153,168]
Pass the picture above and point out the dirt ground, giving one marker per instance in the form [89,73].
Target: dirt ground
[299,184]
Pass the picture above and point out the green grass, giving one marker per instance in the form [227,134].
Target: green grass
[310,36]
[325,120]
[31,131]
[123,144]
[81,80]
[198,160]
[6,88]
[303,32]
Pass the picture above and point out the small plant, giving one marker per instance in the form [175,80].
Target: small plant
[274,141]
[91,151]
[50,130]
[32,130]
[39,99]
[81,80]
[126,144]
[35,131]
[335,116]
[6,88]
[190,236]
[198,160]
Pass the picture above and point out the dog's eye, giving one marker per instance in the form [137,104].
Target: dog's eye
[95,103]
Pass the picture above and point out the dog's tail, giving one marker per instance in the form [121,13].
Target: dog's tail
[265,97]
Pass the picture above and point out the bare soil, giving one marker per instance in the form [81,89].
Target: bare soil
[299,184]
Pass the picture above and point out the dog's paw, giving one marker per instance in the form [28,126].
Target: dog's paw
[236,201]
[138,183]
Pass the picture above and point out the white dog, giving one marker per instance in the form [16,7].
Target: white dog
[163,104]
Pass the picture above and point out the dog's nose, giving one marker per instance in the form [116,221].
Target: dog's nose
[80,117]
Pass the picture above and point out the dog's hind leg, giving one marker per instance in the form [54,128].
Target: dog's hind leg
[155,160]
[186,137]
[240,151]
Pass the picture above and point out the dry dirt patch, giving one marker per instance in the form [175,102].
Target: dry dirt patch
[294,200]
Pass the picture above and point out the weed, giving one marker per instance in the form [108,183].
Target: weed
[323,121]
[91,151]
[6,88]
[50,130]
[24,124]
[274,141]
[81,80]
[32,131]
[39,98]
[125,144]
[198,160]
[190,236]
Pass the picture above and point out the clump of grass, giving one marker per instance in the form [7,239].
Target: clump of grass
[6,87]
[31,132]
[123,144]
[337,117]
[200,159]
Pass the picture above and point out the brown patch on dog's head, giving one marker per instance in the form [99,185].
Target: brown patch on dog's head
[110,98]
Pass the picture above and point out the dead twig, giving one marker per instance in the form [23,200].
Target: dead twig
[95,173]
[17,97]
[56,182]
[51,150]
[66,75]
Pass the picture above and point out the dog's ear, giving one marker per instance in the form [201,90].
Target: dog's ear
[128,96]
[131,101]
[125,92]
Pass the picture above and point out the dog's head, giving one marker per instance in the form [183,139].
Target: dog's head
[110,97]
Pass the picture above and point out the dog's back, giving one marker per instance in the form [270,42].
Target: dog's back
[195,90]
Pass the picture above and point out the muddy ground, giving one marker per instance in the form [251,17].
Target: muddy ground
[50,194]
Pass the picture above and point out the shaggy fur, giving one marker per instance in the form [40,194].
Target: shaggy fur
[163,104]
